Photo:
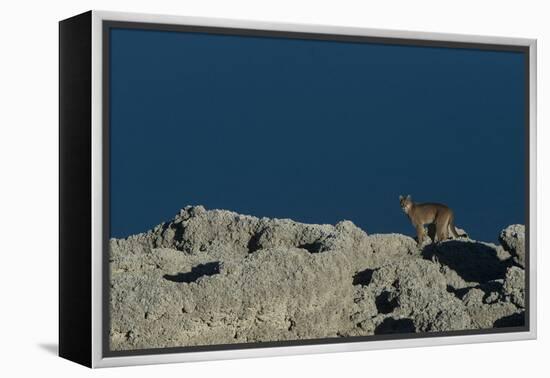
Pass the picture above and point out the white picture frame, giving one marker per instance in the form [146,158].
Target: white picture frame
[97,356]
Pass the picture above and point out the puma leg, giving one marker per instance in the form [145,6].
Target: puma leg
[439,232]
[420,234]
[442,226]
[445,226]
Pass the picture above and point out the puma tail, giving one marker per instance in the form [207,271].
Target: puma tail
[453,229]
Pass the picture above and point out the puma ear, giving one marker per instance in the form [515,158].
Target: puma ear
[408,196]
[400,197]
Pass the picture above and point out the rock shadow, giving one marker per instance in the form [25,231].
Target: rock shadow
[363,277]
[385,303]
[201,270]
[459,293]
[514,320]
[314,247]
[391,325]
[254,243]
[490,288]
[473,261]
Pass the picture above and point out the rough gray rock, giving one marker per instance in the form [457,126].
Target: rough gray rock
[512,239]
[514,286]
[218,277]
[418,291]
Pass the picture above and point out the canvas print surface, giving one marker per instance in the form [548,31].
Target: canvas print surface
[265,190]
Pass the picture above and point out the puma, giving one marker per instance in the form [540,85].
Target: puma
[429,213]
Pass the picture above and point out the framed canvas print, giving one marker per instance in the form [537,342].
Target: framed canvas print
[234,189]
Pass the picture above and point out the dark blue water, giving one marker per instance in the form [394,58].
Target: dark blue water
[315,131]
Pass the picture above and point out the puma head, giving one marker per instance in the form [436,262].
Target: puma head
[406,203]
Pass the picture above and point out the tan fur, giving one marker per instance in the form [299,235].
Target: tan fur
[429,213]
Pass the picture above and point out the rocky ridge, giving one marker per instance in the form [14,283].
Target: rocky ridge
[218,277]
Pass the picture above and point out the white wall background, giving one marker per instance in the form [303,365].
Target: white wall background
[28,184]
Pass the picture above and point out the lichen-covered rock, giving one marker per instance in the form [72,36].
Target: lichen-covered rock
[484,316]
[512,239]
[217,277]
[418,291]
[514,286]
